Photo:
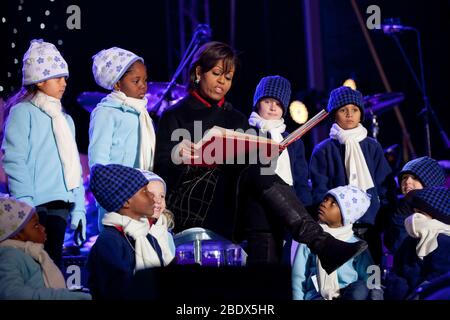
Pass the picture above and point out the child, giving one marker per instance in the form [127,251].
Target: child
[338,211]
[423,256]
[423,172]
[270,103]
[350,157]
[128,242]
[41,157]
[26,270]
[121,130]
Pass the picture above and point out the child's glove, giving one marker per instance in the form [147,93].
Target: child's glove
[78,223]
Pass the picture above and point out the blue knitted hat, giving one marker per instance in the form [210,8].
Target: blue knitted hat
[113,184]
[426,169]
[342,96]
[275,87]
[434,200]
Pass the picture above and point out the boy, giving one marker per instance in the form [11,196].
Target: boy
[128,242]
[423,172]
[26,270]
[338,211]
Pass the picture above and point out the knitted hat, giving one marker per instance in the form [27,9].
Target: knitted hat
[110,64]
[433,200]
[426,169]
[41,62]
[342,96]
[275,87]
[14,215]
[112,185]
[352,201]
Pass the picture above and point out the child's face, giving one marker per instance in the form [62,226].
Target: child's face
[348,117]
[270,109]
[149,201]
[134,82]
[156,190]
[33,231]
[53,87]
[215,83]
[410,182]
[330,213]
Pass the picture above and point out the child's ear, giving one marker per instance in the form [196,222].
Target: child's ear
[117,86]
[126,205]
[19,237]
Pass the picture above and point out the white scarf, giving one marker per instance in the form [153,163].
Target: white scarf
[146,256]
[355,164]
[328,283]
[65,141]
[275,128]
[147,132]
[53,277]
[427,230]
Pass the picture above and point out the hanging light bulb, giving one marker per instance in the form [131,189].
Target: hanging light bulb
[350,83]
[298,112]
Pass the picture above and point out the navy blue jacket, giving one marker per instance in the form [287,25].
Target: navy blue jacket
[111,264]
[408,266]
[327,171]
[299,169]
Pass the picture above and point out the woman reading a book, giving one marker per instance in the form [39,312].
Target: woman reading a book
[205,196]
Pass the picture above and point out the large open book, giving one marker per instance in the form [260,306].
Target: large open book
[220,145]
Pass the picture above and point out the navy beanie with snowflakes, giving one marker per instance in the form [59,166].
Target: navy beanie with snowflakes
[343,96]
[275,87]
[434,201]
[112,185]
[426,170]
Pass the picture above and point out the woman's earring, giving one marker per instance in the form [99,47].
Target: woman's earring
[197,81]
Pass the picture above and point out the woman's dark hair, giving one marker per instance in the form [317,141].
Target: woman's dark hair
[208,55]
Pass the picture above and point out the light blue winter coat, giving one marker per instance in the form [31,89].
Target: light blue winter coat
[31,159]
[114,134]
[304,269]
[21,278]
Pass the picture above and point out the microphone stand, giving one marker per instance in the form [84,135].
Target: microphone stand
[427,111]
[201,33]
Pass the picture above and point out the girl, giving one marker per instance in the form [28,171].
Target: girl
[121,130]
[26,270]
[41,156]
[350,157]
[270,103]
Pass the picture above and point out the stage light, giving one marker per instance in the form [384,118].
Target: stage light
[3,19]
[14,30]
[13,45]
[1,89]
[28,19]
[16,61]
[42,26]
[47,12]
[350,83]
[298,112]
[60,42]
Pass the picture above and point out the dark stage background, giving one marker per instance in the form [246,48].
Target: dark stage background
[269,35]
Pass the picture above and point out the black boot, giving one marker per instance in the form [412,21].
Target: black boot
[332,253]
[262,249]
